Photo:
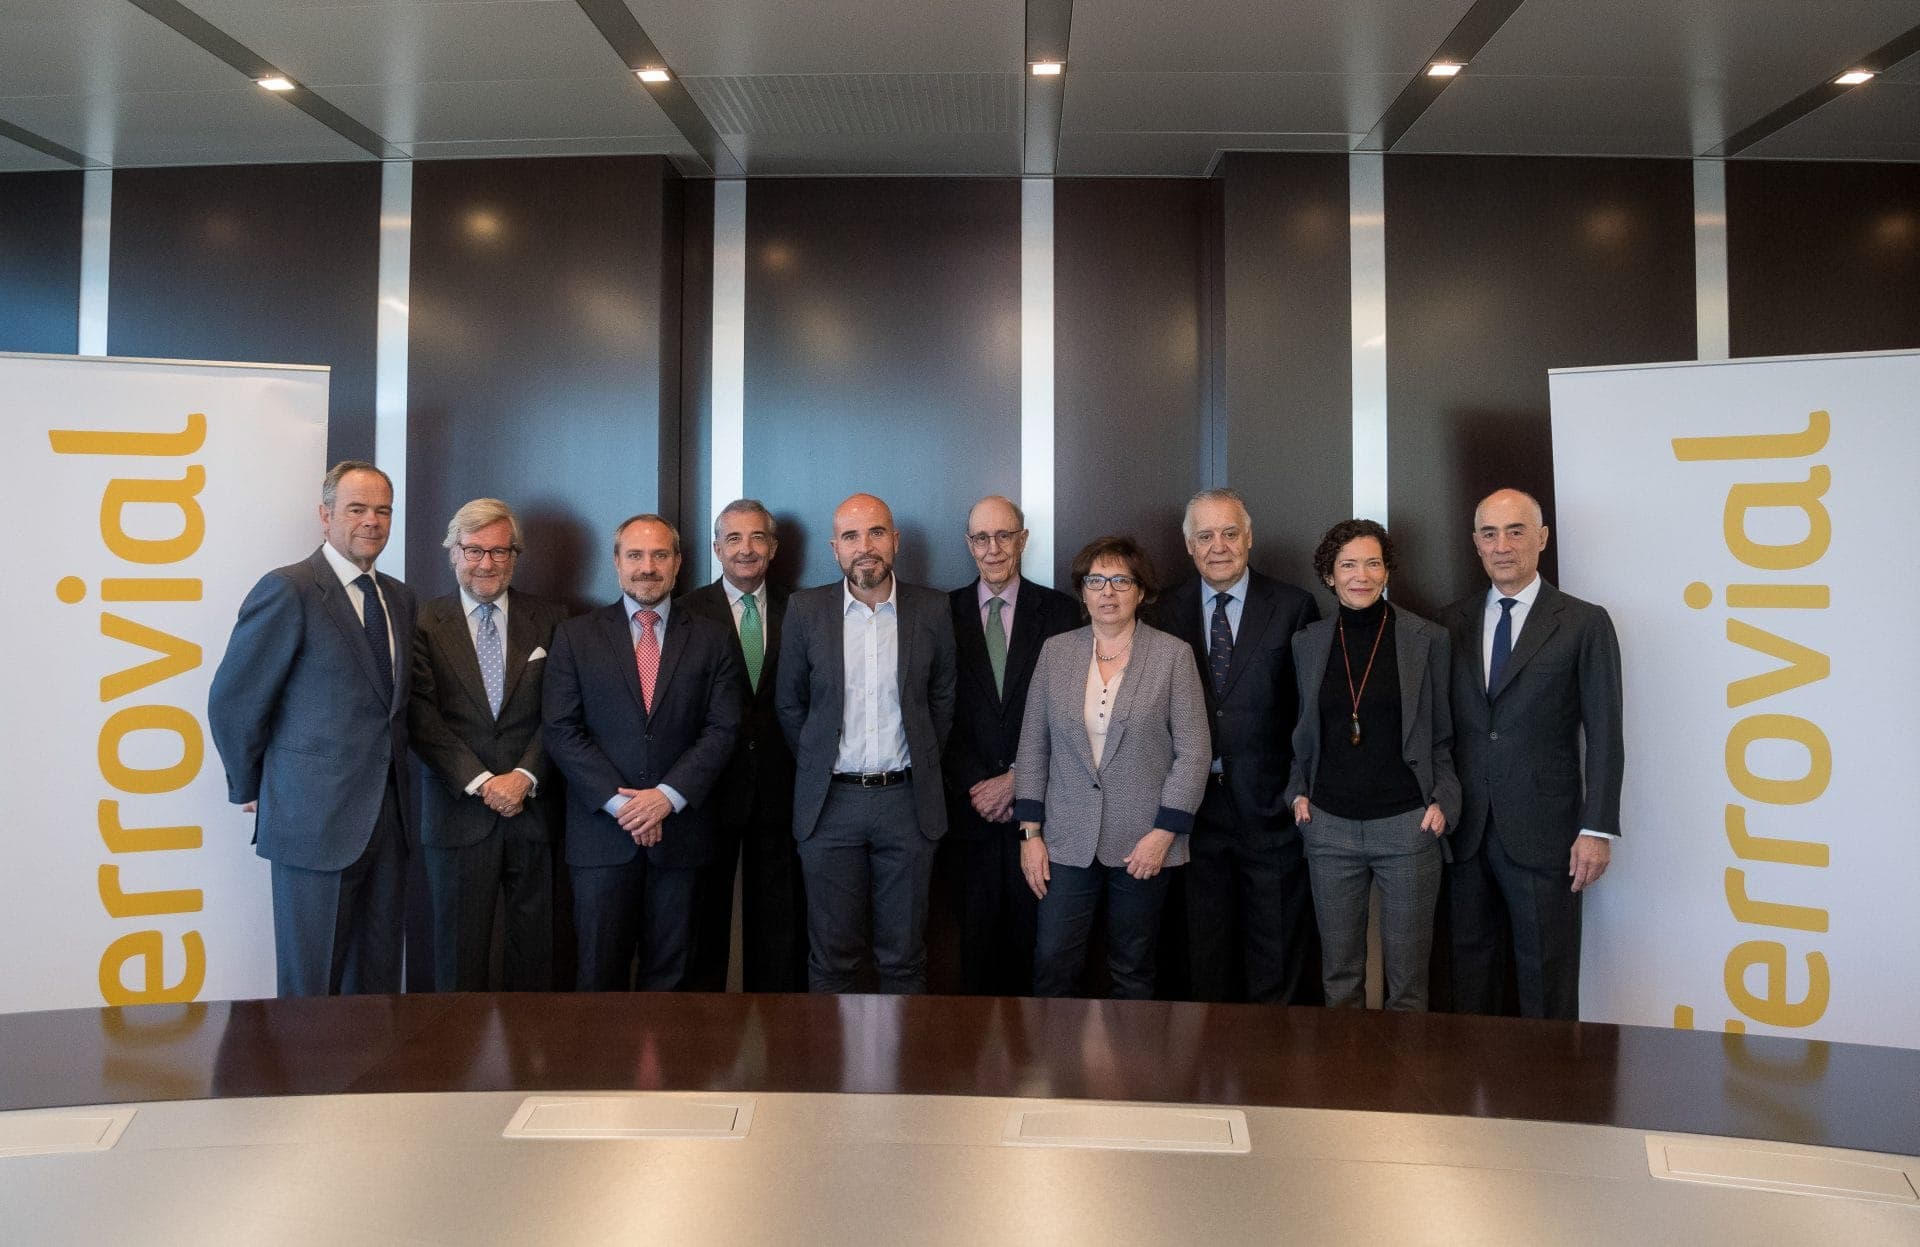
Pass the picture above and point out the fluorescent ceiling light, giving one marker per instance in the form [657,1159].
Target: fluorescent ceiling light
[275,83]
[654,75]
[1048,69]
[1853,78]
[1444,69]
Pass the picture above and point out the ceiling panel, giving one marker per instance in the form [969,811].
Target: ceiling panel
[15,158]
[98,47]
[1228,102]
[591,146]
[1583,116]
[1260,36]
[863,155]
[1108,154]
[510,111]
[1878,121]
[242,126]
[732,37]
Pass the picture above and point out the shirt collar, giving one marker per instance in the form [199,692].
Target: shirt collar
[343,566]
[1525,597]
[470,603]
[633,607]
[1007,595]
[848,601]
[1237,590]
[734,595]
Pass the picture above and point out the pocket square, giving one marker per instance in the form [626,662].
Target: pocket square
[539,652]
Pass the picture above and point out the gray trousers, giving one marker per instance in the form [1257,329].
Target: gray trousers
[867,868]
[1345,857]
[339,932]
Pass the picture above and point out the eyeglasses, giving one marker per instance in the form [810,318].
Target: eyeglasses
[473,554]
[982,541]
[1097,583]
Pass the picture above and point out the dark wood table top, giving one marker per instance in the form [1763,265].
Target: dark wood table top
[1801,1091]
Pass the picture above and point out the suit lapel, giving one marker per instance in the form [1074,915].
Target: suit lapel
[1542,620]
[679,624]
[619,637]
[1410,651]
[904,622]
[450,630]
[1070,701]
[1124,699]
[970,642]
[1255,614]
[340,608]
[520,631]
[1023,649]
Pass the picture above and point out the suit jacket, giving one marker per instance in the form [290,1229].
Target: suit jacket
[986,719]
[809,702]
[1252,720]
[761,764]
[1153,770]
[454,729]
[1518,744]
[296,713]
[1426,722]
[601,736]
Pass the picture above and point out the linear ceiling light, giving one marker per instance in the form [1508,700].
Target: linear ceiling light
[653,73]
[1048,69]
[275,83]
[1444,69]
[1853,78]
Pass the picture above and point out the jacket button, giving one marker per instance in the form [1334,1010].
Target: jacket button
[1218,714]
[1493,736]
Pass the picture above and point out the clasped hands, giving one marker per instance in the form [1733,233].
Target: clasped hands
[993,798]
[506,794]
[644,816]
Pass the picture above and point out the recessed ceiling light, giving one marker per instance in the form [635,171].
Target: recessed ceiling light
[1853,78]
[1444,69]
[654,75]
[275,83]
[1048,69]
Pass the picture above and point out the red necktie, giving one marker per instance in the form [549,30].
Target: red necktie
[646,653]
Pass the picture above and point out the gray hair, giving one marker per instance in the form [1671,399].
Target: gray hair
[477,515]
[650,518]
[1215,495]
[330,486]
[743,506]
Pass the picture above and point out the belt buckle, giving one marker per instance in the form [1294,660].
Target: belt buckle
[873,779]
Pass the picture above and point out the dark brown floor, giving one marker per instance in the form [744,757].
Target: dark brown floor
[1839,1095]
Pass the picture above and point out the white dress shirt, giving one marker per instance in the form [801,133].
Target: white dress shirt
[873,736]
[348,572]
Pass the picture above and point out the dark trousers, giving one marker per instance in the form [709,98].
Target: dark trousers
[464,883]
[1508,917]
[996,913]
[635,907]
[712,947]
[340,932]
[868,869]
[773,905]
[1065,921]
[1250,926]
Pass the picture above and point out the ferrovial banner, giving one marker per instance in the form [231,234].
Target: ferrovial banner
[151,495]
[1751,525]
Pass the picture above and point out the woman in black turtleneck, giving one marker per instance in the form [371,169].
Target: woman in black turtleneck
[1372,786]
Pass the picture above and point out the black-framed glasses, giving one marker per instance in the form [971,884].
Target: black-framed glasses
[1097,583]
[473,554]
[1003,538]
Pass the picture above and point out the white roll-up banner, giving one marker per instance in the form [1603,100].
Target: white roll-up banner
[1750,525]
[151,495]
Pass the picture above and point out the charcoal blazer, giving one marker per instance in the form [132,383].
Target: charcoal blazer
[809,697]
[987,719]
[602,738]
[296,712]
[1252,719]
[761,762]
[1518,744]
[1153,770]
[1422,651]
[454,729]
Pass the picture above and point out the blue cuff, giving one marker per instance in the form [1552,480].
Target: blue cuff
[615,803]
[1179,822]
[1029,811]
[679,802]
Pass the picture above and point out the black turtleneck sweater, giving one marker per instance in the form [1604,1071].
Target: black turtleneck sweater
[1371,779]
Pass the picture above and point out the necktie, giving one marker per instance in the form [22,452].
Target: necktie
[1502,643]
[1220,644]
[646,652]
[997,644]
[373,617]
[752,643]
[493,656]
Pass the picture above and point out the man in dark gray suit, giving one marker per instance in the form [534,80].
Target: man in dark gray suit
[309,712]
[865,696]
[753,804]
[479,655]
[1536,673]
[1250,924]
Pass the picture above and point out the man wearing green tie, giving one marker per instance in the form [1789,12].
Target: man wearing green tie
[753,803]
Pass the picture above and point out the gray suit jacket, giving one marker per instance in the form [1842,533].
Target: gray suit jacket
[296,713]
[455,731]
[1426,721]
[1153,771]
[808,696]
[1519,744]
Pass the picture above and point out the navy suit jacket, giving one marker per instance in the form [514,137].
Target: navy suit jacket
[600,735]
[296,713]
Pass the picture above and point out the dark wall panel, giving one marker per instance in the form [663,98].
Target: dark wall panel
[1498,269]
[1288,375]
[40,262]
[1822,257]
[276,264]
[883,354]
[1131,378]
[543,339]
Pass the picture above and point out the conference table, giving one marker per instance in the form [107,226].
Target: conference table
[786,1118]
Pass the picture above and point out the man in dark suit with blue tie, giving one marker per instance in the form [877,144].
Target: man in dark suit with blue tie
[642,706]
[999,623]
[487,812]
[1539,749]
[309,712]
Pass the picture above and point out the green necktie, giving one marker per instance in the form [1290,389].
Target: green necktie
[751,642]
[997,644]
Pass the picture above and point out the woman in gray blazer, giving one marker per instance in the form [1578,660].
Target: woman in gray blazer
[1372,786]
[1112,765]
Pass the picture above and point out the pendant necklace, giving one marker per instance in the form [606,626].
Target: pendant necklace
[1340,628]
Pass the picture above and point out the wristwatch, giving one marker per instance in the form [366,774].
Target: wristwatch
[1032,832]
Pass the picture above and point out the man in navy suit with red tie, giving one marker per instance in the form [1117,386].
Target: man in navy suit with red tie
[642,706]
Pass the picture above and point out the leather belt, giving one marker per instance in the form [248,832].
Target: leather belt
[873,779]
